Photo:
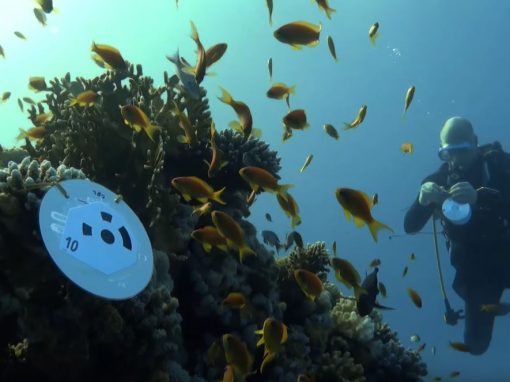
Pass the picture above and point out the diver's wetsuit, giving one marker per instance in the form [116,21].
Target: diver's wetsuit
[479,249]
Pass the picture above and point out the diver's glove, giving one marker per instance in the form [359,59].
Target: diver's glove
[431,192]
[463,192]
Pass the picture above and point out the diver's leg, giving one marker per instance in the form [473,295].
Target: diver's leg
[478,325]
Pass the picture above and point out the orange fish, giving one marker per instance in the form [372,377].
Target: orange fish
[192,187]
[190,132]
[217,163]
[37,132]
[42,118]
[310,284]
[274,335]
[295,119]
[372,32]
[87,98]
[362,112]
[245,123]
[110,55]
[228,374]
[357,204]
[415,297]
[346,273]
[237,354]
[281,91]
[210,237]
[232,231]
[37,83]
[375,263]
[407,148]
[290,207]
[299,33]
[460,346]
[201,56]
[257,178]
[136,118]
[214,53]
[323,5]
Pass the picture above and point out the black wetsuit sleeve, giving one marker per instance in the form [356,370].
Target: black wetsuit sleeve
[418,215]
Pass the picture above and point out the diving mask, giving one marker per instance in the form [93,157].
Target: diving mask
[445,151]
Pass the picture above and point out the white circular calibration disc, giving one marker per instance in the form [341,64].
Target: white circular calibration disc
[455,212]
[98,243]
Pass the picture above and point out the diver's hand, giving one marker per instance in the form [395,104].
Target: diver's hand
[431,192]
[463,192]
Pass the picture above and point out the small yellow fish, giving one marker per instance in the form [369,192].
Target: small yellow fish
[192,187]
[308,160]
[235,300]
[217,163]
[290,208]
[281,91]
[404,272]
[412,256]
[202,210]
[228,374]
[270,68]
[331,46]
[334,248]
[232,231]
[37,133]
[274,335]
[268,217]
[245,123]
[295,119]
[372,32]
[2,52]
[88,98]
[421,347]
[454,374]
[190,132]
[375,263]
[215,354]
[310,284]
[46,5]
[268,359]
[5,96]
[409,98]
[215,53]
[407,148]
[269,4]
[460,346]
[375,199]
[323,5]
[331,131]
[209,237]
[358,120]
[110,55]
[201,57]
[42,118]
[251,198]
[237,354]
[299,33]
[40,16]
[382,289]
[29,100]
[415,297]
[357,204]
[258,177]
[489,308]
[37,83]
[437,379]
[136,118]
[20,104]
[346,273]
[20,35]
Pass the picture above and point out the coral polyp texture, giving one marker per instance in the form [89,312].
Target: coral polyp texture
[175,329]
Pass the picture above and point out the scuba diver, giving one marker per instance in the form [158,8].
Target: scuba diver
[476,181]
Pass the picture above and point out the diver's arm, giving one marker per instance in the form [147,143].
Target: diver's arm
[417,216]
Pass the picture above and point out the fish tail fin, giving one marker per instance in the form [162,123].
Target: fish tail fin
[375,226]
[151,131]
[373,38]
[174,58]
[22,134]
[329,12]
[194,31]
[225,96]
[283,189]
[295,220]
[216,196]
[347,126]
[245,251]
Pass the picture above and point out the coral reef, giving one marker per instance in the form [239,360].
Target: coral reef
[172,331]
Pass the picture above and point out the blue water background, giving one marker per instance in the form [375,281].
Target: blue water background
[455,52]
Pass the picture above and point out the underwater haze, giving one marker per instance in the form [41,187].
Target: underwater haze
[454,52]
